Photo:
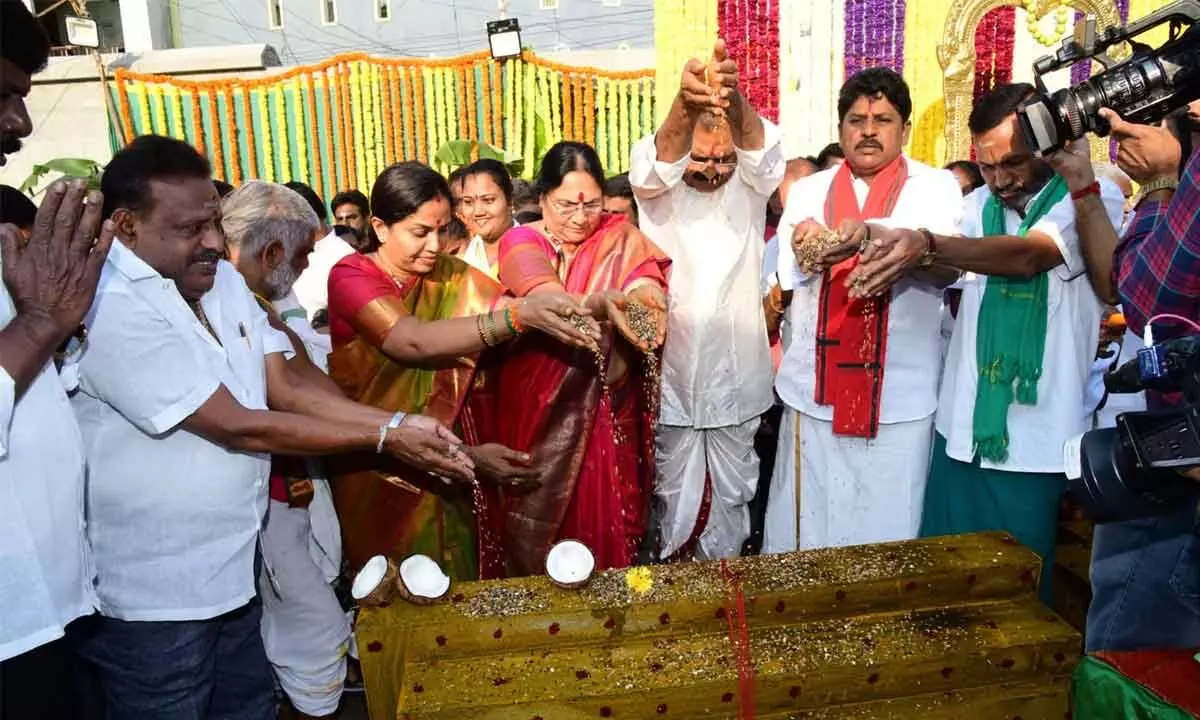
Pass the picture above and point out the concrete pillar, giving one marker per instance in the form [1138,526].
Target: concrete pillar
[136,26]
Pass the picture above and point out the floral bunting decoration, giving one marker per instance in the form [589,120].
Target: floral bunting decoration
[750,29]
[874,35]
[994,39]
[337,124]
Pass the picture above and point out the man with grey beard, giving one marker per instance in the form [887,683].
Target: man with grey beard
[270,230]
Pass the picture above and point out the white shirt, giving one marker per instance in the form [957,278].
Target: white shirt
[45,565]
[1036,432]
[930,199]
[318,344]
[770,278]
[716,369]
[172,517]
[312,287]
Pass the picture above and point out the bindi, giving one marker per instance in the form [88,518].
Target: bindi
[580,197]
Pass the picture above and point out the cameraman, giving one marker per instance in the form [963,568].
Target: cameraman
[1146,573]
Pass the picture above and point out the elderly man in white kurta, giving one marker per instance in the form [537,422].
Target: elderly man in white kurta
[859,383]
[702,184]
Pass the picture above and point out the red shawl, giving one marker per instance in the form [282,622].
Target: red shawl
[852,334]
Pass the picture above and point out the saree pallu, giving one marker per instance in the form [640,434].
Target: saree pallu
[386,507]
[592,487]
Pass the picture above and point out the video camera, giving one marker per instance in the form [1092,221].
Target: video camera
[1130,471]
[1143,89]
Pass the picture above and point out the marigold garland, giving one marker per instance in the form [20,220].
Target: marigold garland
[602,131]
[126,129]
[251,144]
[431,121]
[450,109]
[328,133]
[408,101]
[349,156]
[485,98]
[530,93]
[314,133]
[556,108]
[622,114]
[496,105]
[514,131]
[470,99]
[218,149]
[177,112]
[589,110]
[197,124]
[358,141]
[235,153]
[262,106]
[466,127]
[296,122]
[420,143]
[614,127]
[370,146]
[159,123]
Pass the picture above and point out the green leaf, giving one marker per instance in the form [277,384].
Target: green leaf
[455,153]
[67,167]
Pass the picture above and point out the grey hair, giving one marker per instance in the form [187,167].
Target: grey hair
[259,213]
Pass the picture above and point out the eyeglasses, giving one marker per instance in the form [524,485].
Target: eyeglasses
[720,165]
[566,209]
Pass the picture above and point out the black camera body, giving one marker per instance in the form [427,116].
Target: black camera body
[1130,471]
[1143,89]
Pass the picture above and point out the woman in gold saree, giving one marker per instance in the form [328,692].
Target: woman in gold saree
[408,327]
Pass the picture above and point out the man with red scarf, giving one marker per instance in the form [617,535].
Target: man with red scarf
[860,376]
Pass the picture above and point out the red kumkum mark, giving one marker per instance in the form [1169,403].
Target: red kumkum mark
[779,606]
[661,709]
[441,640]
[553,629]
[1006,663]
[947,672]
[374,646]
[498,634]
[1059,658]
[794,692]
[873,678]
[497,682]
[972,579]
[418,688]
[727,697]
[720,613]
[656,667]
[664,619]
[610,623]
[910,586]
[951,548]
[582,674]
[841,595]
[606,711]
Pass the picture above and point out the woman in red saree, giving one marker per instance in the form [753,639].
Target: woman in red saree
[592,445]
[408,327]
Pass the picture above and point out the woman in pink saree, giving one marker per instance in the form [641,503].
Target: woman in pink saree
[591,437]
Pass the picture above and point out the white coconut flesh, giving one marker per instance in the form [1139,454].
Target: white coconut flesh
[423,578]
[570,562]
[369,577]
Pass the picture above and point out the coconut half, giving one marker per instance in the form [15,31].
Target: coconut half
[422,580]
[375,584]
[569,564]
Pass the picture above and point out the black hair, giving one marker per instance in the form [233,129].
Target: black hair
[311,197]
[618,186]
[402,188]
[351,197]
[496,171]
[16,207]
[523,193]
[872,82]
[126,180]
[832,150]
[223,188]
[564,158]
[457,175]
[970,169]
[23,42]
[526,217]
[997,104]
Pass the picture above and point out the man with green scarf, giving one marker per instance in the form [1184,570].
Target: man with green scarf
[1025,335]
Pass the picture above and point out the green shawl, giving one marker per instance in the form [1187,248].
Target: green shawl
[1011,335]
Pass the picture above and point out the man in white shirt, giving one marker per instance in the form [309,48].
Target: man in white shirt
[270,231]
[49,281]
[176,378]
[1024,341]
[860,377]
[702,184]
[311,289]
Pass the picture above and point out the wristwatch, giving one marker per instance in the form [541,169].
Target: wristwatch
[929,257]
[1162,183]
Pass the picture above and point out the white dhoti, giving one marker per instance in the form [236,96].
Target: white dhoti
[305,631]
[684,457]
[852,491]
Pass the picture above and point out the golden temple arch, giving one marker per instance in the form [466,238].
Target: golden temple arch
[956,55]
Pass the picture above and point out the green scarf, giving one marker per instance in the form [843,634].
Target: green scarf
[1011,335]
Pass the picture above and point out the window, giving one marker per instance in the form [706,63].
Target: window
[547,4]
[328,12]
[383,10]
[275,14]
